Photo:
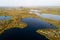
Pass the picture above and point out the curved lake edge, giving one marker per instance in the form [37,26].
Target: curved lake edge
[28,19]
[16,29]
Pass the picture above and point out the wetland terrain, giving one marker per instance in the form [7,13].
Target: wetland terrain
[30,23]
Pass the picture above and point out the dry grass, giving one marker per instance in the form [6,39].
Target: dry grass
[51,11]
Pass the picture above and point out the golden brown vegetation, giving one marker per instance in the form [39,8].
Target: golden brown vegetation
[17,15]
[50,33]
[51,11]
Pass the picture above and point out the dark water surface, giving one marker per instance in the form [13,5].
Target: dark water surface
[28,33]
[21,34]
[37,23]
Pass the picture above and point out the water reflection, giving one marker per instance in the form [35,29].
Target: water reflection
[50,16]
[45,15]
[5,17]
[37,23]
